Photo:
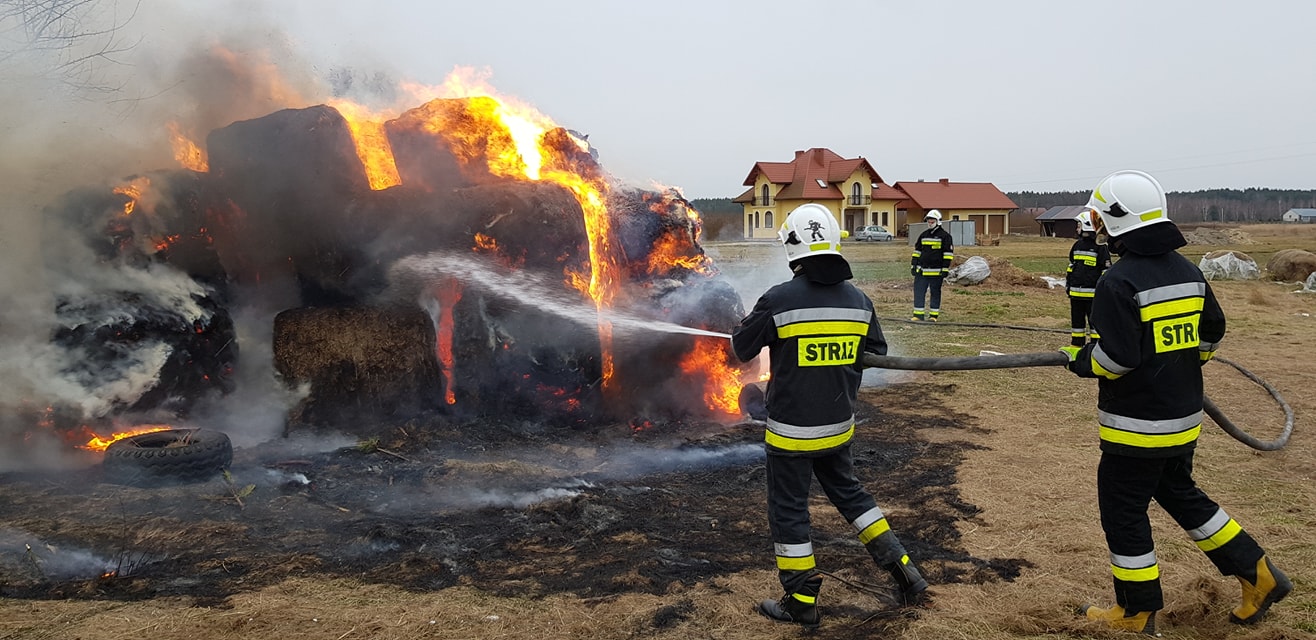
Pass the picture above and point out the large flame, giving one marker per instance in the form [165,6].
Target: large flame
[188,154]
[447,294]
[101,443]
[709,359]
[372,145]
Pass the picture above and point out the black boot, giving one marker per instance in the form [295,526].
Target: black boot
[792,609]
[913,588]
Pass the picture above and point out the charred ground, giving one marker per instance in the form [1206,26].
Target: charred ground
[384,512]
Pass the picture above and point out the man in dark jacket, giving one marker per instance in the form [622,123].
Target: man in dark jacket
[1159,323]
[933,253]
[1087,261]
[816,327]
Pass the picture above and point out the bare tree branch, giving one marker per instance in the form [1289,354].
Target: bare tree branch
[69,39]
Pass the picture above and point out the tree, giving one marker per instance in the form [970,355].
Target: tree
[64,39]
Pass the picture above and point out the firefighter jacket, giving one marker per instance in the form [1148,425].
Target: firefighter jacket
[933,252]
[1087,261]
[1159,322]
[816,335]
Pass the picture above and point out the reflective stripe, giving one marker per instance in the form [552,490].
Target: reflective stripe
[824,246]
[1131,439]
[931,243]
[821,313]
[1145,574]
[1134,562]
[1221,537]
[932,271]
[793,550]
[824,328]
[1078,332]
[796,443]
[948,255]
[795,564]
[1172,308]
[1208,346]
[1108,366]
[871,525]
[1082,292]
[1211,527]
[868,517]
[804,598]
[1170,292]
[1150,215]
[917,253]
[1150,427]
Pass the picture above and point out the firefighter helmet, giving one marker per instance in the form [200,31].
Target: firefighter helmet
[1128,200]
[810,230]
[934,216]
[1085,222]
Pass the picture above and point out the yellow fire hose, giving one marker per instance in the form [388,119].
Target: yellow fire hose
[1056,358]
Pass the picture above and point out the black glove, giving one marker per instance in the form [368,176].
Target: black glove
[913,270]
[1072,353]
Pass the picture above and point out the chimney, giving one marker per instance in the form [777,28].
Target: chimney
[944,181]
[798,154]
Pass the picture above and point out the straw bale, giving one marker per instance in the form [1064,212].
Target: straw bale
[1291,265]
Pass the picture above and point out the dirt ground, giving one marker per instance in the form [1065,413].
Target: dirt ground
[502,531]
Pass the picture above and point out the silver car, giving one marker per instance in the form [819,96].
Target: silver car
[873,232]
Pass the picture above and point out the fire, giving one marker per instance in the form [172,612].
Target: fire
[186,152]
[670,251]
[100,443]
[722,391]
[447,294]
[372,145]
[134,191]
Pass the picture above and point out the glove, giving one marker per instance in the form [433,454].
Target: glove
[1072,354]
[913,270]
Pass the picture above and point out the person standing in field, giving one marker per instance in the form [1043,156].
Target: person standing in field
[933,253]
[1159,324]
[1087,261]
[816,327]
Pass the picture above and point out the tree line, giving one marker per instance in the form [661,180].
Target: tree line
[1208,205]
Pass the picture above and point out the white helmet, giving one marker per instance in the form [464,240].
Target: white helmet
[810,230]
[1128,200]
[1085,222]
[934,215]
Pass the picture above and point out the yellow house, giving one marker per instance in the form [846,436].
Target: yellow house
[849,187]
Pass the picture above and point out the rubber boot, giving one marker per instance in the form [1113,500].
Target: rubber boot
[1116,617]
[795,608]
[1269,586]
[913,588]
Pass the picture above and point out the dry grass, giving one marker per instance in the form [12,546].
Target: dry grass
[1033,478]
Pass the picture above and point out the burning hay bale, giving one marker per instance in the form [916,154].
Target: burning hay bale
[1291,265]
[361,360]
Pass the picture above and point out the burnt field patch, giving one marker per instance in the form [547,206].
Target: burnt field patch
[511,512]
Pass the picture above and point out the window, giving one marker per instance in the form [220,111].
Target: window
[767,219]
[765,200]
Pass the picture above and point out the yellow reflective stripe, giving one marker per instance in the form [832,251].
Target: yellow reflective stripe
[823,328]
[1221,537]
[813,444]
[804,598]
[1102,371]
[823,246]
[1146,441]
[805,563]
[1205,355]
[1079,293]
[1151,215]
[1172,308]
[874,530]
[1136,575]
[1098,196]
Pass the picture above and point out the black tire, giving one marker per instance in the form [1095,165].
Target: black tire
[173,455]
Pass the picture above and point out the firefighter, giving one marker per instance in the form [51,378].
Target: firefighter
[1087,261]
[933,253]
[1159,323]
[816,327]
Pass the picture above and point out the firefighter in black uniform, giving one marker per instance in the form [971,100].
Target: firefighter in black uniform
[1087,261]
[816,327]
[1159,323]
[933,253]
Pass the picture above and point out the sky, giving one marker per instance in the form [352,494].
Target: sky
[1027,94]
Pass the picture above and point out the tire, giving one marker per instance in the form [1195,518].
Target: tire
[173,455]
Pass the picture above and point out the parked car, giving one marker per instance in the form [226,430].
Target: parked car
[874,232]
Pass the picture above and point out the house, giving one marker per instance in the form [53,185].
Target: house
[1299,215]
[848,187]
[854,192]
[980,202]
[1060,222]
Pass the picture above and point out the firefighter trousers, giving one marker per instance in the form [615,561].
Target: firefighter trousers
[1125,488]
[927,288]
[1080,310]
[789,481]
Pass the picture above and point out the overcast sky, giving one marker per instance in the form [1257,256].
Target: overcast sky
[1034,94]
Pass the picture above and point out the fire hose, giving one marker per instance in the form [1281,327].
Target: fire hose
[1054,358]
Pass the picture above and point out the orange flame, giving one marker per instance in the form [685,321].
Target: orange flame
[372,145]
[186,152]
[722,390]
[100,443]
[134,191]
[447,294]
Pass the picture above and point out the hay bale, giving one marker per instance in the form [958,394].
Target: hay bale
[361,358]
[1291,265]
[1228,265]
